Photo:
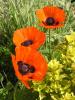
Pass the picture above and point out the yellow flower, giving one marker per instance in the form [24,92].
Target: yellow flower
[68,96]
[71,51]
[73,66]
[71,37]
[54,64]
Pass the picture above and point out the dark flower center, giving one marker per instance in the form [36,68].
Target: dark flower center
[25,68]
[50,21]
[27,43]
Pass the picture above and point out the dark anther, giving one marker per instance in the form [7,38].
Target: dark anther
[50,21]
[23,67]
[27,43]
[32,69]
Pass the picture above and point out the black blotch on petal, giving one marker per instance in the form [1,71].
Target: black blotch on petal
[57,23]
[27,43]
[32,69]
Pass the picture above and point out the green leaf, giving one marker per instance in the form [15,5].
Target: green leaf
[57,55]
[25,94]
[1,77]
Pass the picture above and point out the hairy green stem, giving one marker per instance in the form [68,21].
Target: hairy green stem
[49,44]
[15,88]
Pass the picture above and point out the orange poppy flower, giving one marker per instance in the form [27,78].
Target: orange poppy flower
[29,64]
[51,17]
[29,36]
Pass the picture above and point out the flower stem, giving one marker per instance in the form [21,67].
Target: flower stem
[49,44]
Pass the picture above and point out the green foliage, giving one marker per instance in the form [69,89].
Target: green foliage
[3,93]
[59,83]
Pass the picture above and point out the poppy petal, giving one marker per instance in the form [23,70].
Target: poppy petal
[54,17]
[34,60]
[56,12]
[41,15]
[29,37]
[15,66]
[21,56]
[18,37]
[55,26]
[26,84]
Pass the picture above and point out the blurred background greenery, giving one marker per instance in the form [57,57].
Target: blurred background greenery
[15,14]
